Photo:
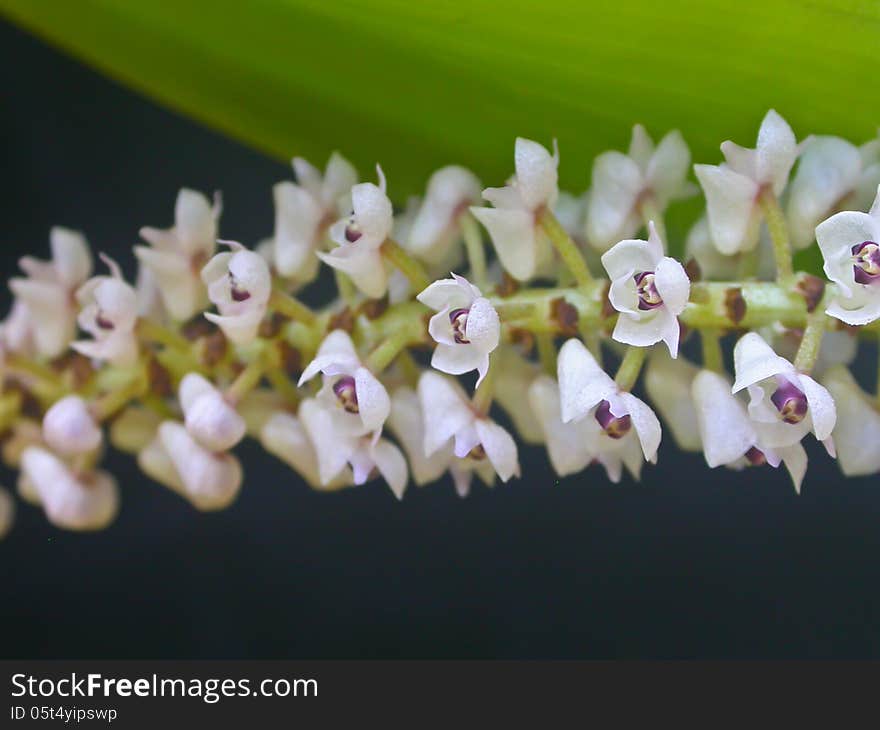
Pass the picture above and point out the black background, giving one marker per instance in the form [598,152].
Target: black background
[690,563]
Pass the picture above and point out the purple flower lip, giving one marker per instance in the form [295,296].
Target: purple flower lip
[646,288]
[346,393]
[866,262]
[103,322]
[352,232]
[790,401]
[237,294]
[458,319]
[755,457]
[615,426]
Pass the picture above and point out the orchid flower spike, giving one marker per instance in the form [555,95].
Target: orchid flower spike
[832,175]
[71,500]
[209,480]
[628,428]
[784,405]
[304,211]
[284,435]
[857,431]
[850,245]
[359,238]
[513,223]
[649,290]
[733,190]
[358,401]
[176,255]
[729,436]
[109,313]
[209,418]
[449,415]
[466,327]
[621,183]
[239,284]
[338,448]
[47,292]
[69,428]
[437,224]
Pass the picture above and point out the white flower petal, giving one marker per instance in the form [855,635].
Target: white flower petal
[616,184]
[730,205]
[668,384]
[500,448]
[668,168]
[754,360]
[71,256]
[445,410]
[726,432]
[646,425]
[195,222]
[672,284]
[364,266]
[536,174]
[374,405]
[582,383]
[821,407]
[627,257]
[514,237]
[857,430]
[391,465]
[568,444]
[776,151]
[406,421]
[795,459]
[69,427]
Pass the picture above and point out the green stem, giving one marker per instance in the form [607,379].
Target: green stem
[713,358]
[289,306]
[412,269]
[546,352]
[778,229]
[566,248]
[155,332]
[115,400]
[246,380]
[811,342]
[283,385]
[473,243]
[630,367]
[388,349]
[347,290]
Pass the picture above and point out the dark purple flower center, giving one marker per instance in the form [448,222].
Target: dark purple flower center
[755,457]
[790,401]
[649,297]
[103,322]
[615,426]
[866,262]
[458,318]
[346,393]
[352,230]
[235,291]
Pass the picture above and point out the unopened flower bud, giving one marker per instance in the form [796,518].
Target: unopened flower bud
[209,418]
[69,427]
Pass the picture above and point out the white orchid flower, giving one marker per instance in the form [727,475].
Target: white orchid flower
[627,428]
[359,238]
[621,182]
[850,245]
[239,285]
[176,255]
[338,450]
[466,327]
[649,290]
[48,292]
[358,401]
[513,223]
[109,313]
[857,431]
[733,190]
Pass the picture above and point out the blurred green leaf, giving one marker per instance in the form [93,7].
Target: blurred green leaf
[419,84]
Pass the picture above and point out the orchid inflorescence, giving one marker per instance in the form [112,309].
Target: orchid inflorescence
[322,387]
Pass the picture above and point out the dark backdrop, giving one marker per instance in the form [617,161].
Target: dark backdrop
[690,563]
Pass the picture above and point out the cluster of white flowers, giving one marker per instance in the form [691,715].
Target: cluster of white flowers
[210,347]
